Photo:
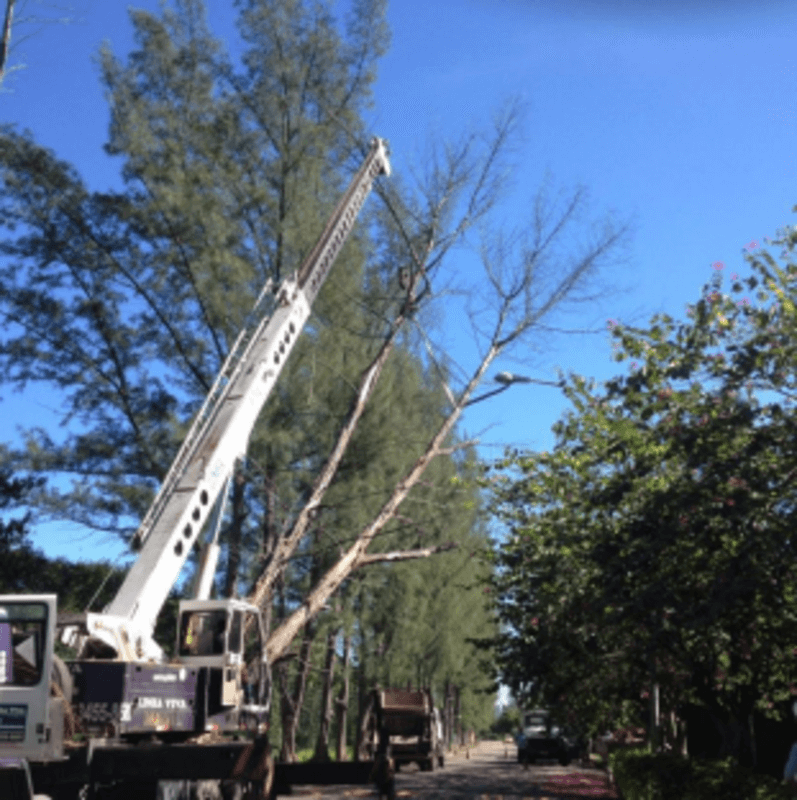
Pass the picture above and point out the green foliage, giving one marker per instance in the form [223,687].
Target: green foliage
[25,570]
[654,544]
[641,775]
[13,490]
[508,722]
[125,303]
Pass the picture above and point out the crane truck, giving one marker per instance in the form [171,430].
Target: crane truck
[141,718]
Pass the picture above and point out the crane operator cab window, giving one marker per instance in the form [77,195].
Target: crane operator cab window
[23,628]
[203,633]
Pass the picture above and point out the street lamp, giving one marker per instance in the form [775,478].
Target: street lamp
[506,379]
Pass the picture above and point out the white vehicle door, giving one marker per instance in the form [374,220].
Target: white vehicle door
[27,633]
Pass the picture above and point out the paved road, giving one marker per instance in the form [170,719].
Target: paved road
[490,773]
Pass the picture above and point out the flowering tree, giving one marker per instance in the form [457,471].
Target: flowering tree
[652,550]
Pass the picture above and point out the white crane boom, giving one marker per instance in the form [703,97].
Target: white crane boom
[220,433]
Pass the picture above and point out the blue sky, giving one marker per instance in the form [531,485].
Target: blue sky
[677,115]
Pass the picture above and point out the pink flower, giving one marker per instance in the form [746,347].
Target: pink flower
[718,265]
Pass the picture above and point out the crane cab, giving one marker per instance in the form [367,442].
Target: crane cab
[227,638]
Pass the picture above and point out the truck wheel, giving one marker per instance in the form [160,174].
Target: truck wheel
[564,759]
[232,790]
[430,764]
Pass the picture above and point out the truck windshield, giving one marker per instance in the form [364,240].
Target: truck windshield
[202,633]
[535,721]
[23,628]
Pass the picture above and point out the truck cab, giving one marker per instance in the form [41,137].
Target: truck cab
[31,721]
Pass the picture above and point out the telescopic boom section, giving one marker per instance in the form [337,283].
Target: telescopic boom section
[221,431]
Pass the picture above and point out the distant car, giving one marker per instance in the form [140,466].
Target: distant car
[540,738]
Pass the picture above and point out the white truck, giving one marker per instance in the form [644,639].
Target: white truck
[119,718]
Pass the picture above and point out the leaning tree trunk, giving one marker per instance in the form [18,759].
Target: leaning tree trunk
[322,744]
[342,703]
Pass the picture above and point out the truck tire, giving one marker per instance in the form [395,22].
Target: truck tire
[232,790]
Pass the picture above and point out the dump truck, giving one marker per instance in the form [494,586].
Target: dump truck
[406,725]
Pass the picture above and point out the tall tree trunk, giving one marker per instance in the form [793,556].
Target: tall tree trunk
[234,535]
[290,720]
[458,716]
[364,710]
[322,744]
[447,714]
[270,533]
[268,545]
[342,703]
[286,712]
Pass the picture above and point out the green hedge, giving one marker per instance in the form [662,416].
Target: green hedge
[640,775]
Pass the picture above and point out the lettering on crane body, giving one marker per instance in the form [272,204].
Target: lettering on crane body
[170,703]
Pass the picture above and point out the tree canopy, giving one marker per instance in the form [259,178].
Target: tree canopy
[653,548]
[125,303]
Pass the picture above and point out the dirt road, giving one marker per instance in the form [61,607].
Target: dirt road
[490,773]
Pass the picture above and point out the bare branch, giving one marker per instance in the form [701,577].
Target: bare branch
[518,307]
[405,555]
[5,39]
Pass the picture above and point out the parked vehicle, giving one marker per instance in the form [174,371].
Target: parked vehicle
[541,738]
